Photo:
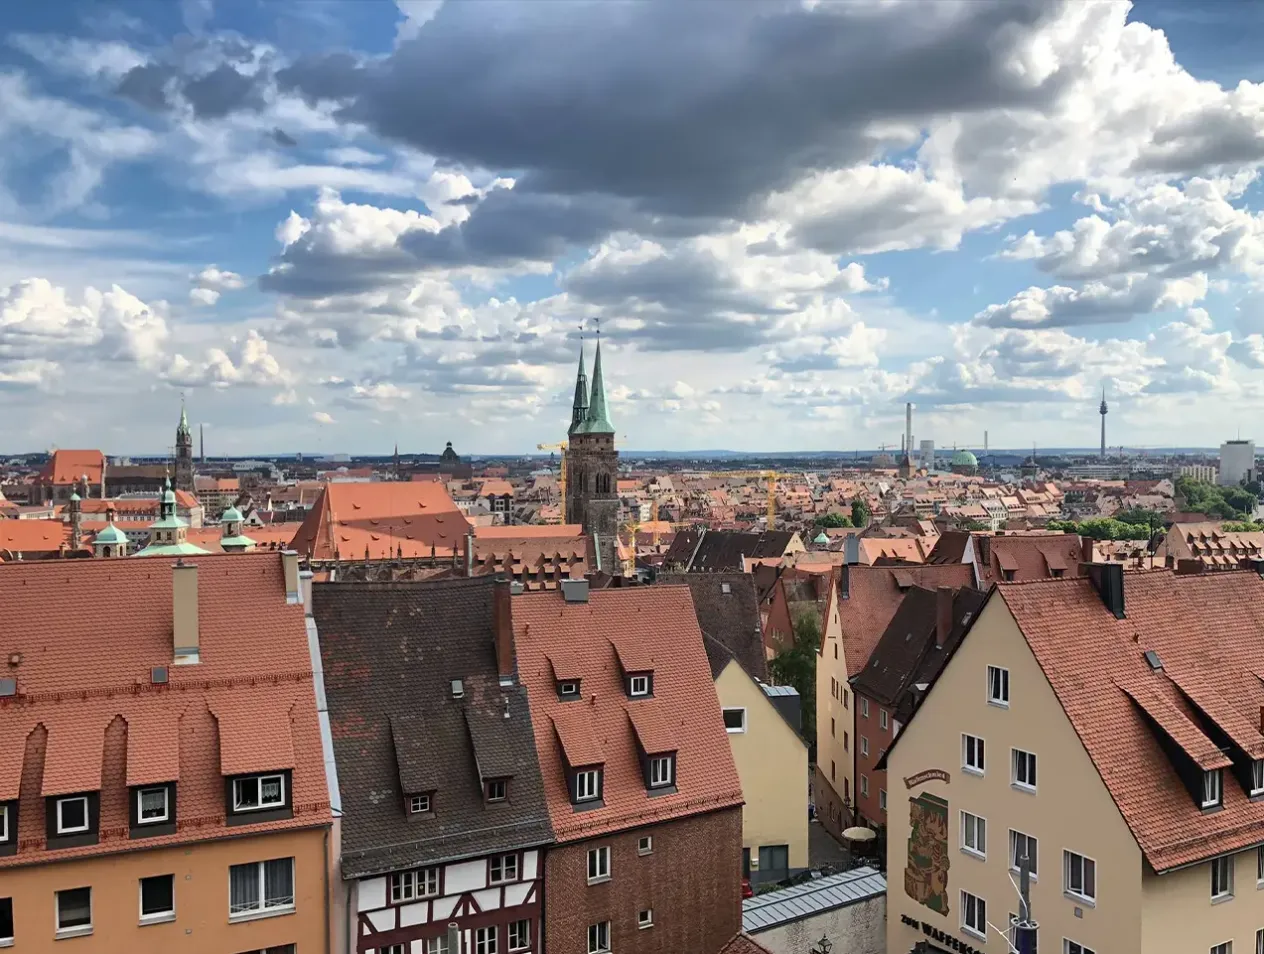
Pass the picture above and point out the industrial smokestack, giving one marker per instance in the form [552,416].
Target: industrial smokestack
[908,427]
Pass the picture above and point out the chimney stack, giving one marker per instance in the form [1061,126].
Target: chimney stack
[851,548]
[502,628]
[184,612]
[289,567]
[1086,549]
[943,615]
[469,552]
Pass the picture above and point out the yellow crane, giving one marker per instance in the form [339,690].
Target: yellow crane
[772,476]
[561,477]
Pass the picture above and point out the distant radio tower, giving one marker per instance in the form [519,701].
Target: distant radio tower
[1102,411]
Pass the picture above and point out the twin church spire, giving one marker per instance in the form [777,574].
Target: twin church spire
[589,414]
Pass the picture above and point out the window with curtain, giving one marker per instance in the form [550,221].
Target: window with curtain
[261,886]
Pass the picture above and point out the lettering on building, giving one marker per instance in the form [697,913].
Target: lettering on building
[929,775]
[939,936]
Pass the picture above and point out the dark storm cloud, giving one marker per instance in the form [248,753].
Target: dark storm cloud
[220,92]
[147,86]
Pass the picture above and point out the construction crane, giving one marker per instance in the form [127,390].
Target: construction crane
[561,477]
[772,476]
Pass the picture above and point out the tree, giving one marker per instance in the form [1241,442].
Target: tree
[1242,526]
[833,520]
[860,513]
[976,525]
[796,666]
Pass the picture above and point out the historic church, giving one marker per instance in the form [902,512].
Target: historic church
[592,466]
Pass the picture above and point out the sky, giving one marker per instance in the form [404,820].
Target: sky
[340,226]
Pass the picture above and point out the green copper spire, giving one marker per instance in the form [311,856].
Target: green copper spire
[597,420]
[580,409]
[184,420]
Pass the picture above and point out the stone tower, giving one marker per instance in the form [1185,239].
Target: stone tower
[592,466]
[184,453]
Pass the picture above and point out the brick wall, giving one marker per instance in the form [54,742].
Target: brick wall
[691,881]
[879,739]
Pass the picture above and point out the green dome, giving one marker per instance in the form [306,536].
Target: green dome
[963,458]
[75,498]
[111,535]
[231,515]
[820,538]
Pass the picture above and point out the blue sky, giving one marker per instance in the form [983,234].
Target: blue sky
[336,226]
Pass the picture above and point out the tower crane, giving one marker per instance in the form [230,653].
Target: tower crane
[772,476]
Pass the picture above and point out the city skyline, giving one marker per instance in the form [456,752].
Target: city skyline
[339,226]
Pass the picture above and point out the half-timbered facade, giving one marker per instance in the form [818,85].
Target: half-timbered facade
[444,819]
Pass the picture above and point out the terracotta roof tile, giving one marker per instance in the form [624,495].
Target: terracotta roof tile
[153,745]
[1176,725]
[72,759]
[68,466]
[654,728]
[565,666]
[662,619]
[576,736]
[12,751]
[743,944]
[383,519]
[254,731]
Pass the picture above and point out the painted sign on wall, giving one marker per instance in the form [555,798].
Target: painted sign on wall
[926,873]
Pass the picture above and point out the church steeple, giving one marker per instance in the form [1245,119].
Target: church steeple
[184,452]
[580,408]
[597,420]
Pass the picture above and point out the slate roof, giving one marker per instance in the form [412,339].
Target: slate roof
[730,619]
[1208,632]
[88,718]
[907,654]
[950,548]
[390,652]
[714,551]
[799,901]
[684,711]
[870,595]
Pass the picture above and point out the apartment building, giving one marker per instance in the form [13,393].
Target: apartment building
[162,786]
[638,775]
[1108,728]
[444,819]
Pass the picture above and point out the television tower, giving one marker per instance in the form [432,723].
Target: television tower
[1102,411]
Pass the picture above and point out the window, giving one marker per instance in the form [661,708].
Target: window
[6,920]
[833,733]
[1225,947]
[568,689]
[4,822]
[735,720]
[774,861]
[1079,876]
[973,915]
[845,695]
[726,588]
[645,919]
[864,745]
[258,792]
[864,785]
[1211,788]
[883,718]
[662,771]
[974,835]
[599,938]
[998,686]
[972,754]
[485,940]
[519,935]
[393,949]
[1259,941]
[419,804]
[645,845]
[74,912]
[261,887]
[416,883]
[437,945]
[833,772]
[1222,878]
[864,708]
[1259,867]
[1024,770]
[1070,947]
[158,898]
[846,741]
[497,789]
[639,686]
[1257,777]
[882,799]
[586,785]
[1020,844]
[151,806]
[503,868]
[598,864]
[72,815]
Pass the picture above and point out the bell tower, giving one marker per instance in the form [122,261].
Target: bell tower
[592,465]
[184,453]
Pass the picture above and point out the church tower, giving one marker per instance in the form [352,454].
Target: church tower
[592,466]
[184,453]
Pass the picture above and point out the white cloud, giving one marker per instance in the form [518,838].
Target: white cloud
[247,362]
[211,282]
[322,417]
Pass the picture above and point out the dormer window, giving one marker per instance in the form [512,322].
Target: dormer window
[1211,789]
[1257,777]
[248,795]
[496,789]
[70,820]
[419,804]
[586,785]
[640,685]
[662,771]
[72,815]
[569,689]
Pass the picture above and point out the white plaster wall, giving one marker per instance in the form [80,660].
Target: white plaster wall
[856,929]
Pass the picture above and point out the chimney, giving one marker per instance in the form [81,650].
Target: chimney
[289,567]
[1086,549]
[184,612]
[575,591]
[502,629]
[985,549]
[454,937]
[1189,567]
[469,552]
[851,548]
[1108,578]
[943,615]
[305,587]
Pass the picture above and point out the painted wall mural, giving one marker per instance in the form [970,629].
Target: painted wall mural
[926,874]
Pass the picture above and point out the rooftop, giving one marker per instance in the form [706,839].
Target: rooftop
[799,901]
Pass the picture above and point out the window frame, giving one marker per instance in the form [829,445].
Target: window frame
[509,872]
[1224,947]
[574,692]
[1014,835]
[1212,779]
[593,774]
[437,945]
[1225,864]
[7,939]
[264,910]
[496,790]
[1000,699]
[485,940]
[140,805]
[968,821]
[884,718]
[645,919]
[414,884]
[645,845]
[864,746]
[654,763]
[980,751]
[739,730]
[864,707]
[599,938]
[61,828]
[416,805]
[1028,760]
[156,917]
[4,823]
[864,786]
[75,930]
[980,910]
[1257,778]
[643,681]
[1068,862]
[1074,947]
[524,941]
[882,800]
[259,779]
[598,864]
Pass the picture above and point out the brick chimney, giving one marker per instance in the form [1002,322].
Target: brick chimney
[184,612]
[1086,549]
[502,629]
[943,615]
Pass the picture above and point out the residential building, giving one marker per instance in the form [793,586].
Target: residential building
[868,598]
[443,813]
[162,784]
[905,663]
[1204,472]
[701,550]
[1212,547]
[762,722]
[643,795]
[1237,462]
[1011,557]
[1108,728]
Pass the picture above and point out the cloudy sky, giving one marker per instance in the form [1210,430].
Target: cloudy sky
[337,225]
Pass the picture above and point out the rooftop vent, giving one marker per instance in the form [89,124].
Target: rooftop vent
[8,687]
[158,675]
[575,591]
[458,689]
[726,588]
[1153,660]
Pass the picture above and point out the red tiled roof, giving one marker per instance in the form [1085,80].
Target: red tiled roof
[743,944]
[68,466]
[654,728]
[1027,556]
[254,738]
[1208,632]
[33,536]
[662,618]
[382,519]
[575,733]
[119,727]
[874,596]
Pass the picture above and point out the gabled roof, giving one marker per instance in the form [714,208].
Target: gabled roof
[684,705]
[729,618]
[69,466]
[723,550]
[870,596]
[390,652]
[1207,632]
[88,633]
[1027,557]
[382,519]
